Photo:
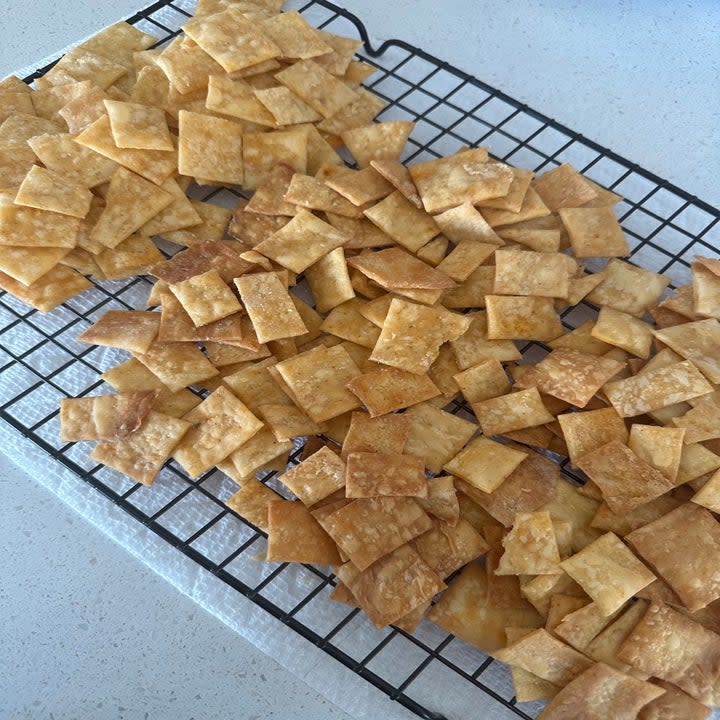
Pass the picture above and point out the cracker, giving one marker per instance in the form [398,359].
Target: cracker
[375,474]
[586,431]
[318,88]
[81,64]
[360,111]
[255,386]
[251,502]
[231,39]
[412,335]
[59,152]
[30,227]
[47,190]
[441,500]
[154,165]
[545,656]
[179,214]
[313,194]
[15,163]
[608,572]
[346,322]
[201,258]
[18,128]
[387,389]
[466,176]
[130,202]
[513,317]
[301,242]
[206,298]
[399,269]
[84,110]
[177,365]
[132,330]
[571,375]
[625,480]
[695,461]
[402,221]
[142,454]
[360,187]
[236,98]
[316,477]
[665,542]
[53,288]
[385,434]
[257,452]
[138,126]
[628,288]
[606,520]
[532,484]
[294,535]
[624,331]
[594,232]
[519,272]
[187,66]
[447,548]
[318,379]
[656,389]
[698,342]
[463,610]
[296,39]
[19,103]
[619,695]
[514,411]
[670,646]
[369,528]
[104,417]
[483,381]
[578,628]
[210,148]
[132,375]
[581,339]
[660,447]
[673,705]
[436,436]
[28,265]
[709,494]
[464,259]
[472,291]
[269,306]
[288,422]
[564,187]
[381,141]
[329,281]
[133,256]
[533,208]
[339,61]
[530,548]
[394,587]
[399,177]
[268,197]
[485,464]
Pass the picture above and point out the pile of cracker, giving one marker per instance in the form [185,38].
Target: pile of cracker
[373,316]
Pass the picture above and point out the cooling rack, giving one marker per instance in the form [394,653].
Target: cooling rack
[431,673]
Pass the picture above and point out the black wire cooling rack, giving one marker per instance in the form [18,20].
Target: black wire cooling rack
[433,674]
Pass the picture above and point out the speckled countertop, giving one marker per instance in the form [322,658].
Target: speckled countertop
[88,631]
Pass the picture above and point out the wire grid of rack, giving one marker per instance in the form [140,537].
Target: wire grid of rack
[433,674]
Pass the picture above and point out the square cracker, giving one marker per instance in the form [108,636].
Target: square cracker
[377,141]
[224,424]
[318,380]
[269,306]
[571,375]
[466,176]
[514,411]
[619,695]
[594,232]
[312,193]
[399,269]
[483,381]
[177,365]
[656,389]
[133,256]
[257,452]
[255,386]
[660,447]
[56,286]
[485,464]
[179,214]
[28,265]
[30,227]
[288,421]
[384,434]
[262,151]
[698,342]
[210,148]
[138,126]
[530,548]
[301,242]
[379,474]
[359,186]
[187,66]
[231,39]
[204,256]
[474,346]
[154,165]
[206,297]
[586,431]
[345,321]
[668,645]
[624,331]
[394,586]
[684,548]
[402,221]
[329,281]
[515,317]
[563,187]
[608,572]
[236,98]
[441,501]
[132,330]
[446,548]
[285,107]
[15,163]
[387,389]
[465,223]
[318,88]
[626,481]
[399,177]
[464,259]
[296,39]
[412,335]
[18,128]
[369,528]
[316,477]
[522,272]
[47,190]
[142,454]
[435,435]
[294,535]
[251,502]
[130,202]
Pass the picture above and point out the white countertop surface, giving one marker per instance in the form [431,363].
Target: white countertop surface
[88,631]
